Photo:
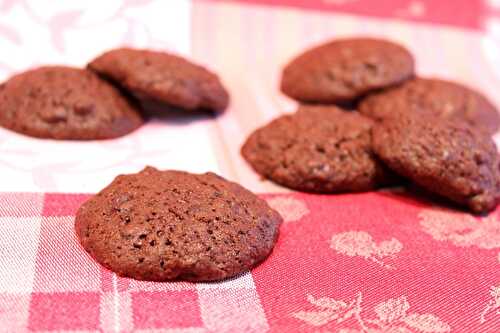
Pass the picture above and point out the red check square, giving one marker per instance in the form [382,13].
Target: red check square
[56,204]
[166,309]
[64,311]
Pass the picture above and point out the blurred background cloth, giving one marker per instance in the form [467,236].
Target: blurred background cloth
[246,43]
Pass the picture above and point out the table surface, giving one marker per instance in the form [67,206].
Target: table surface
[386,261]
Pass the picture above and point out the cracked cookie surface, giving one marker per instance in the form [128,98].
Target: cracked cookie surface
[163,77]
[445,157]
[345,69]
[65,103]
[163,225]
[317,149]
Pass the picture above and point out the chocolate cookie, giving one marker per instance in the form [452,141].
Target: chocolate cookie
[317,149]
[445,157]
[164,77]
[163,225]
[438,97]
[65,103]
[345,69]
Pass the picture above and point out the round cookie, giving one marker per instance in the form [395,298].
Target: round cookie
[163,77]
[163,225]
[65,103]
[345,69]
[438,97]
[445,157]
[317,149]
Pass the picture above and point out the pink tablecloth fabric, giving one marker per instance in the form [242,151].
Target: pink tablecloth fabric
[462,13]
[374,262]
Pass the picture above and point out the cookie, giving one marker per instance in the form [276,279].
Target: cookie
[443,156]
[438,97]
[317,149]
[163,77]
[345,69]
[164,225]
[65,103]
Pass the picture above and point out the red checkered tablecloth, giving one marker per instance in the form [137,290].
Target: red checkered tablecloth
[379,262]
[374,262]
